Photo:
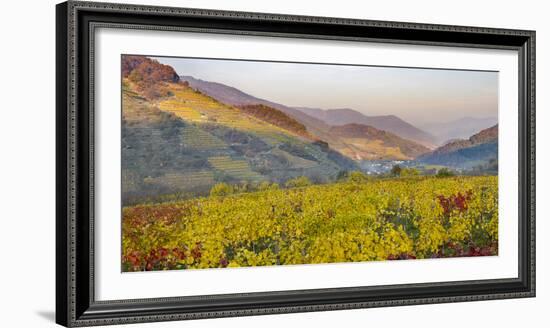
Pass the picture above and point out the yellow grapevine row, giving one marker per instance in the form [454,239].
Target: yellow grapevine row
[355,220]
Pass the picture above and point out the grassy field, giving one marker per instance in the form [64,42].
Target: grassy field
[359,219]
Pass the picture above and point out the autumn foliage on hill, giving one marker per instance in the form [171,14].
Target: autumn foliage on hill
[367,132]
[148,75]
[275,117]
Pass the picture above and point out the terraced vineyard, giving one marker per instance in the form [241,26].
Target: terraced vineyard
[236,169]
[197,139]
[194,106]
[189,180]
[295,161]
[178,141]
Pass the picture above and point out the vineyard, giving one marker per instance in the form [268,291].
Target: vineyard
[238,169]
[178,144]
[193,106]
[358,219]
[197,139]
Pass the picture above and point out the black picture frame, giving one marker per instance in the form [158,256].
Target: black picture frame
[75,302]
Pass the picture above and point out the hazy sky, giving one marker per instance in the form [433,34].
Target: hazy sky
[419,96]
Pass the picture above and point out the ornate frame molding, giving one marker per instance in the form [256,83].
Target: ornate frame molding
[76,24]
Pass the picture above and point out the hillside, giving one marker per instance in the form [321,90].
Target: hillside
[372,143]
[194,106]
[461,128]
[148,76]
[153,150]
[484,136]
[477,150]
[235,97]
[184,142]
[316,127]
[390,123]
[275,117]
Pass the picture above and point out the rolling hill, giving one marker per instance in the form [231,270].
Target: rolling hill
[179,140]
[235,97]
[182,135]
[390,123]
[458,129]
[316,127]
[370,143]
[275,117]
[480,149]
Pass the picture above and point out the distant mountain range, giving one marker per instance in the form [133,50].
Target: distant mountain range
[235,97]
[390,123]
[183,135]
[383,146]
[479,149]
[458,129]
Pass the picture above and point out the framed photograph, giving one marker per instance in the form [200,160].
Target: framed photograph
[214,163]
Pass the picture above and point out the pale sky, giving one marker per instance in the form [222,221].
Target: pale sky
[417,95]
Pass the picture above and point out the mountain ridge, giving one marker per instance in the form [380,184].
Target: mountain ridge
[316,127]
[484,136]
[390,123]
[478,149]
[184,142]
[461,128]
[276,117]
[353,131]
[235,97]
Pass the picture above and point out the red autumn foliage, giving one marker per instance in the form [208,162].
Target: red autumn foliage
[458,202]
[141,68]
[276,117]
[403,256]
[156,259]
[196,251]
[455,250]
[179,253]
[468,250]
[143,215]
[148,75]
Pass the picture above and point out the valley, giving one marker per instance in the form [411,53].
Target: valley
[215,177]
[181,136]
